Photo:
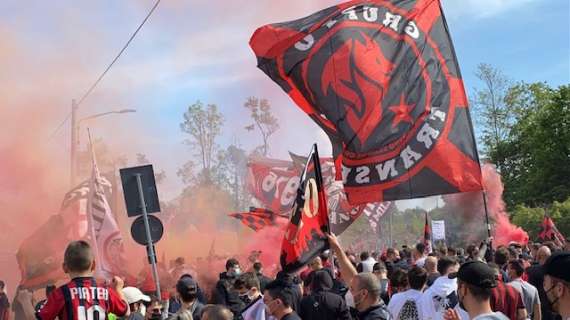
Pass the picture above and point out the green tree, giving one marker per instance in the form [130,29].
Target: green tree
[263,119]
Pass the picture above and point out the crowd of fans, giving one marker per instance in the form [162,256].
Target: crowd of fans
[515,282]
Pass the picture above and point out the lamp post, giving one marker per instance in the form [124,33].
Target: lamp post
[75,134]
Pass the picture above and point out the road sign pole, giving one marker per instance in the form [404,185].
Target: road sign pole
[150,246]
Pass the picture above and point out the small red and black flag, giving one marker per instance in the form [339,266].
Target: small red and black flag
[550,232]
[305,236]
[427,236]
[257,218]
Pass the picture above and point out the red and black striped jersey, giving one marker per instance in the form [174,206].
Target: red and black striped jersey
[82,299]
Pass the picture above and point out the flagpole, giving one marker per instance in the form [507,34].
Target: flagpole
[94,244]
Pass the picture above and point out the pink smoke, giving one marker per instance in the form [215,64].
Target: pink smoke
[504,230]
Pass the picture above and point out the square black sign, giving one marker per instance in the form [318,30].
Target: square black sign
[131,192]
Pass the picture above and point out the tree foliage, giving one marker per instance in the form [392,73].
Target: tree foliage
[263,119]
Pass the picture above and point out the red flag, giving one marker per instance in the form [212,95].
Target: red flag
[427,235]
[258,218]
[382,80]
[305,236]
[550,232]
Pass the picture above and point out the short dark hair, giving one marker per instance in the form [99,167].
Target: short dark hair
[417,278]
[421,247]
[390,251]
[399,279]
[444,263]
[247,280]
[217,312]
[517,266]
[232,262]
[480,294]
[257,267]
[78,256]
[279,290]
[379,266]
[451,250]
[364,255]
[501,256]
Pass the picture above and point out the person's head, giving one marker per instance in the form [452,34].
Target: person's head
[364,255]
[420,250]
[2,286]
[501,256]
[155,309]
[78,258]
[380,271]
[475,280]
[316,263]
[557,282]
[278,298]
[447,265]
[320,280]
[431,264]
[258,267]
[515,269]
[217,312]
[365,288]
[187,288]
[543,254]
[451,252]
[232,267]
[417,278]
[247,287]
[472,251]
[392,255]
[135,299]
[399,281]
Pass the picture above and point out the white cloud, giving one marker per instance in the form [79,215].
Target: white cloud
[480,8]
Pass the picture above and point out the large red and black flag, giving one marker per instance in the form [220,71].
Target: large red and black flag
[305,236]
[427,236]
[258,218]
[549,232]
[382,80]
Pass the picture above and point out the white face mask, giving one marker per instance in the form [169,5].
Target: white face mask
[142,309]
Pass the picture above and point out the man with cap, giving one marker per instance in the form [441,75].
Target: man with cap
[187,290]
[557,283]
[136,300]
[475,279]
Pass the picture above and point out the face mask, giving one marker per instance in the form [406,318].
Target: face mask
[270,307]
[245,298]
[551,301]
[237,271]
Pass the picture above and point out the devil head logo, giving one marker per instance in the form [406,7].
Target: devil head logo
[359,74]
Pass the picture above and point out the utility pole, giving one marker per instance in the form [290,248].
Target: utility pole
[73,149]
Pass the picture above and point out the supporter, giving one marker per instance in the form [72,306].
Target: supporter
[501,258]
[366,262]
[224,293]
[248,288]
[155,309]
[528,292]
[187,290]
[535,277]
[557,283]
[4,302]
[136,300]
[399,281]
[278,298]
[381,273]
[364,287]
[420,255]
[322,303]
[431,268]
[217,312]
[404,305]
[76,297]
[442,294]
[263,280]
[506,299]
[475,281]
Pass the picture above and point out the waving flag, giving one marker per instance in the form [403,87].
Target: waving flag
[550,232]
[305,236]
[258,218]
[382,80]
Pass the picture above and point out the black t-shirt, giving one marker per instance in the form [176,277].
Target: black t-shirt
[324,305]
[291,316]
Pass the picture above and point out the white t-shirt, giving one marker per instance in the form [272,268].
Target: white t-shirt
[438,298]
[491,316]
[368,264]
[421,262]
[398,300]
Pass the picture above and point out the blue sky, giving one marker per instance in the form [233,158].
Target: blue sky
[192,50]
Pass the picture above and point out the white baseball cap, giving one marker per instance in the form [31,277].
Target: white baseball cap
[133,295]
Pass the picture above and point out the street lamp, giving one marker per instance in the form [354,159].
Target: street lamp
[75,133]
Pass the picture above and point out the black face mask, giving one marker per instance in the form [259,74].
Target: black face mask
[245,298]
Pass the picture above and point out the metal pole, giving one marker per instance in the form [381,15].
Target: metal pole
[150,246]
[390,227]
[73,150]
[487,219]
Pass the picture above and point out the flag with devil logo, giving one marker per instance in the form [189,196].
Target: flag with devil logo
[305,236]
[381,79]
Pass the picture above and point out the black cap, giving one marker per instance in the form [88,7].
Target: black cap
[186,285]
[476,273]
[558,265]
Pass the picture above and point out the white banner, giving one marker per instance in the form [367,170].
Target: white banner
[438,229]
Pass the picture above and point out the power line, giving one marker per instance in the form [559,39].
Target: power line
[118,55]
[59,127]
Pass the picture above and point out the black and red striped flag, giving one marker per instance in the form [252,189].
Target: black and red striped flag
[257,218]
[382,80]
[305,236]
[550,232]
[427,236]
